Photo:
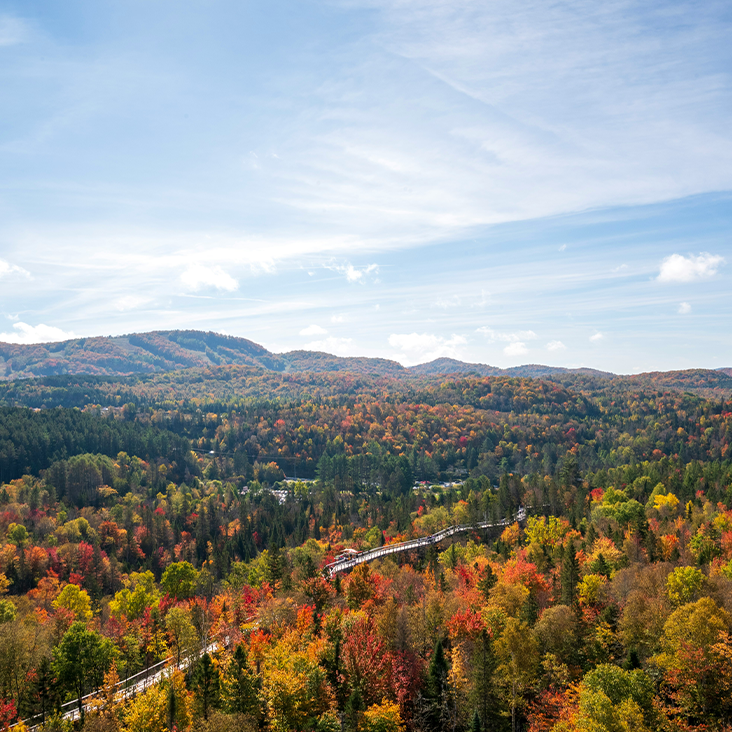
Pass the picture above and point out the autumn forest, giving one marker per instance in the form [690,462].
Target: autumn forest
[165,541]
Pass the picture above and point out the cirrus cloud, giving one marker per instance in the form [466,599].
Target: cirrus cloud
[130,302]
[678,268]
[354,274]
[336,346]
[519,335]
[198,277]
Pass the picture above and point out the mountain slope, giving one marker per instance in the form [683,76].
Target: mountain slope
[175,350]
[133,354]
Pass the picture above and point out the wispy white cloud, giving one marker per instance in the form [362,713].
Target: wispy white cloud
[338,318]
[506,147]
[417,348]
[678,268]
[199,276]
[354,274]
[425,125]
[454,301]
[684,308]
[517,348]
[130,302]
[519,335]
[8,269]
[556,346]
[312,330]
[597,337]
[26,334]
[334,345]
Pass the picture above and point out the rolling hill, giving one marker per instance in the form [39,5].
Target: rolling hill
[175,350]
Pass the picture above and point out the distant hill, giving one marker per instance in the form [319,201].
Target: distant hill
[453,366]
[702,381]
[532,370]
[138,353]
[175,350]
[318,362]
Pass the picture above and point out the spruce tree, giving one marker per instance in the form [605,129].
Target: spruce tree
[172,707]
[353,710]
[570,575]
[487,581]
[485,696]
[436,688]
[241,685]
[601,566]
[475,723]
[206,685]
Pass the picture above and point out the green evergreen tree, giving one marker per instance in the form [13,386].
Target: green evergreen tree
[485,695]
[530,610]
[487,581]
[353,710]
[241,685]
[45,691]
[475,723]
[436,690]
[206,685]
[273,566]
[601,566]
[569,575]
[172,706]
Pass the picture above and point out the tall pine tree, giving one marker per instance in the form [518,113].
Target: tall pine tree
[569,575]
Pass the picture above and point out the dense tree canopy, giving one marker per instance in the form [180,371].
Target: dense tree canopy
[161,526]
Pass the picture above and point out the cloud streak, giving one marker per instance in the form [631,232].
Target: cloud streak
[200,277]
[354,274]
[494,335]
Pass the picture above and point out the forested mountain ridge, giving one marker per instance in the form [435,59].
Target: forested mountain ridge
[145,517]
[136,353]
[159,352]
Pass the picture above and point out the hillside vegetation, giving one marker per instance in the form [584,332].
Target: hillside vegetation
[158,352]
[139,522]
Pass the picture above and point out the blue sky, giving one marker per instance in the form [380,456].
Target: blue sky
[500,182]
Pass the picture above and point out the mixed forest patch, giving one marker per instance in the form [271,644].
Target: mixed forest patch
[186,518]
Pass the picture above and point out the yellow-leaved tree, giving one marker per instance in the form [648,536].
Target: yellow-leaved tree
[384,717]
[294,687]
[161,707]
